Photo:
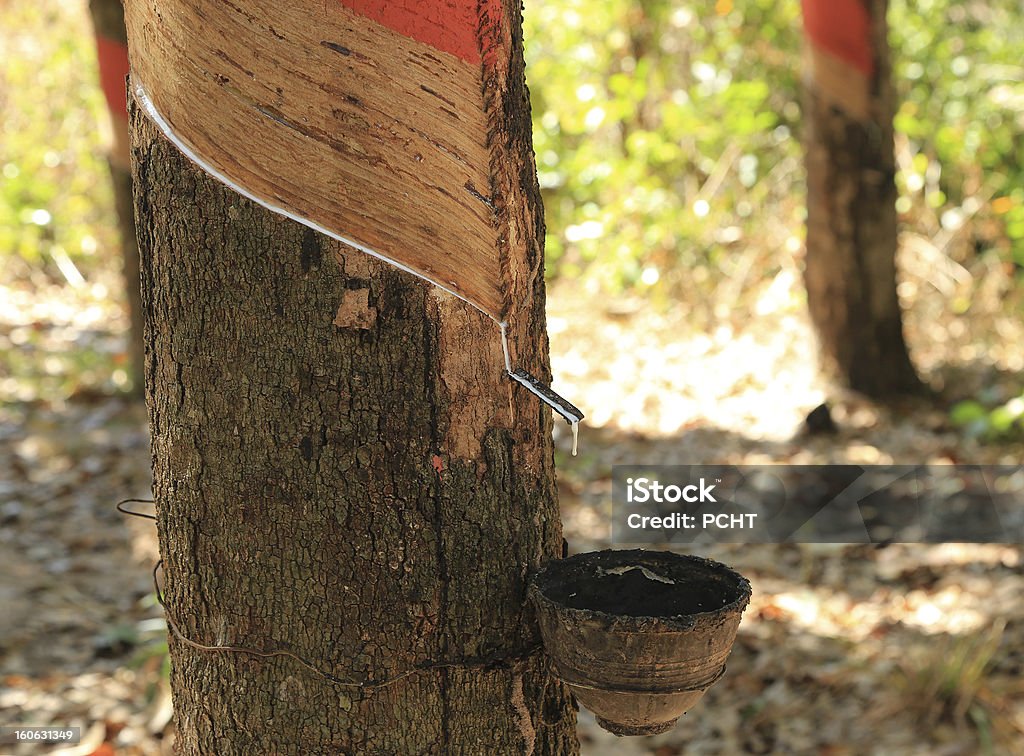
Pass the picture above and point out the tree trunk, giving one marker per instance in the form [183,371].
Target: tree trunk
[850,269]
[112,45]
[122,178]
[343,470]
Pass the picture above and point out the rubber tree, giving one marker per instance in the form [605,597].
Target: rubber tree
[343,472]
[112,52]
[850,271]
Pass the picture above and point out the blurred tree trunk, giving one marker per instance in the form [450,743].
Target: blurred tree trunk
[342,469]
[112,47]
[850,269]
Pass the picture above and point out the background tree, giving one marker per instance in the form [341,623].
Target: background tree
[112,48]
[343,470]
[850,270]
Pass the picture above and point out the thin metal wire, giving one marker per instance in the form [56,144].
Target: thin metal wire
[143,515]
[495,661]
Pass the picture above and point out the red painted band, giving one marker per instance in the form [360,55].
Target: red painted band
[113,59]
[843,28]
[447,25]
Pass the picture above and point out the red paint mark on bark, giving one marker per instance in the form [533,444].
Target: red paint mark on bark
[451,26]
[113,60]
[843,28]
[438,464]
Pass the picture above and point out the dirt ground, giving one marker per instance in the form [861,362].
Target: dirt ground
[843,649]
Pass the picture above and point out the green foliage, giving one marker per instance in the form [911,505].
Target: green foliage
[1001,422]
[55,195]
[662,131]
[959,69]
[666,135]
[666,131]
[40,359]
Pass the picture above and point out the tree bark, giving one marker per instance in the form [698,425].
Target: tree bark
[850,270]
[343,470]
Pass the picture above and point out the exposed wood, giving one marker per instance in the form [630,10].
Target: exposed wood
[334,117]
[850,269]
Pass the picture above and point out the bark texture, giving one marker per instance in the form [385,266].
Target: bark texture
[850,270]
[343,470]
